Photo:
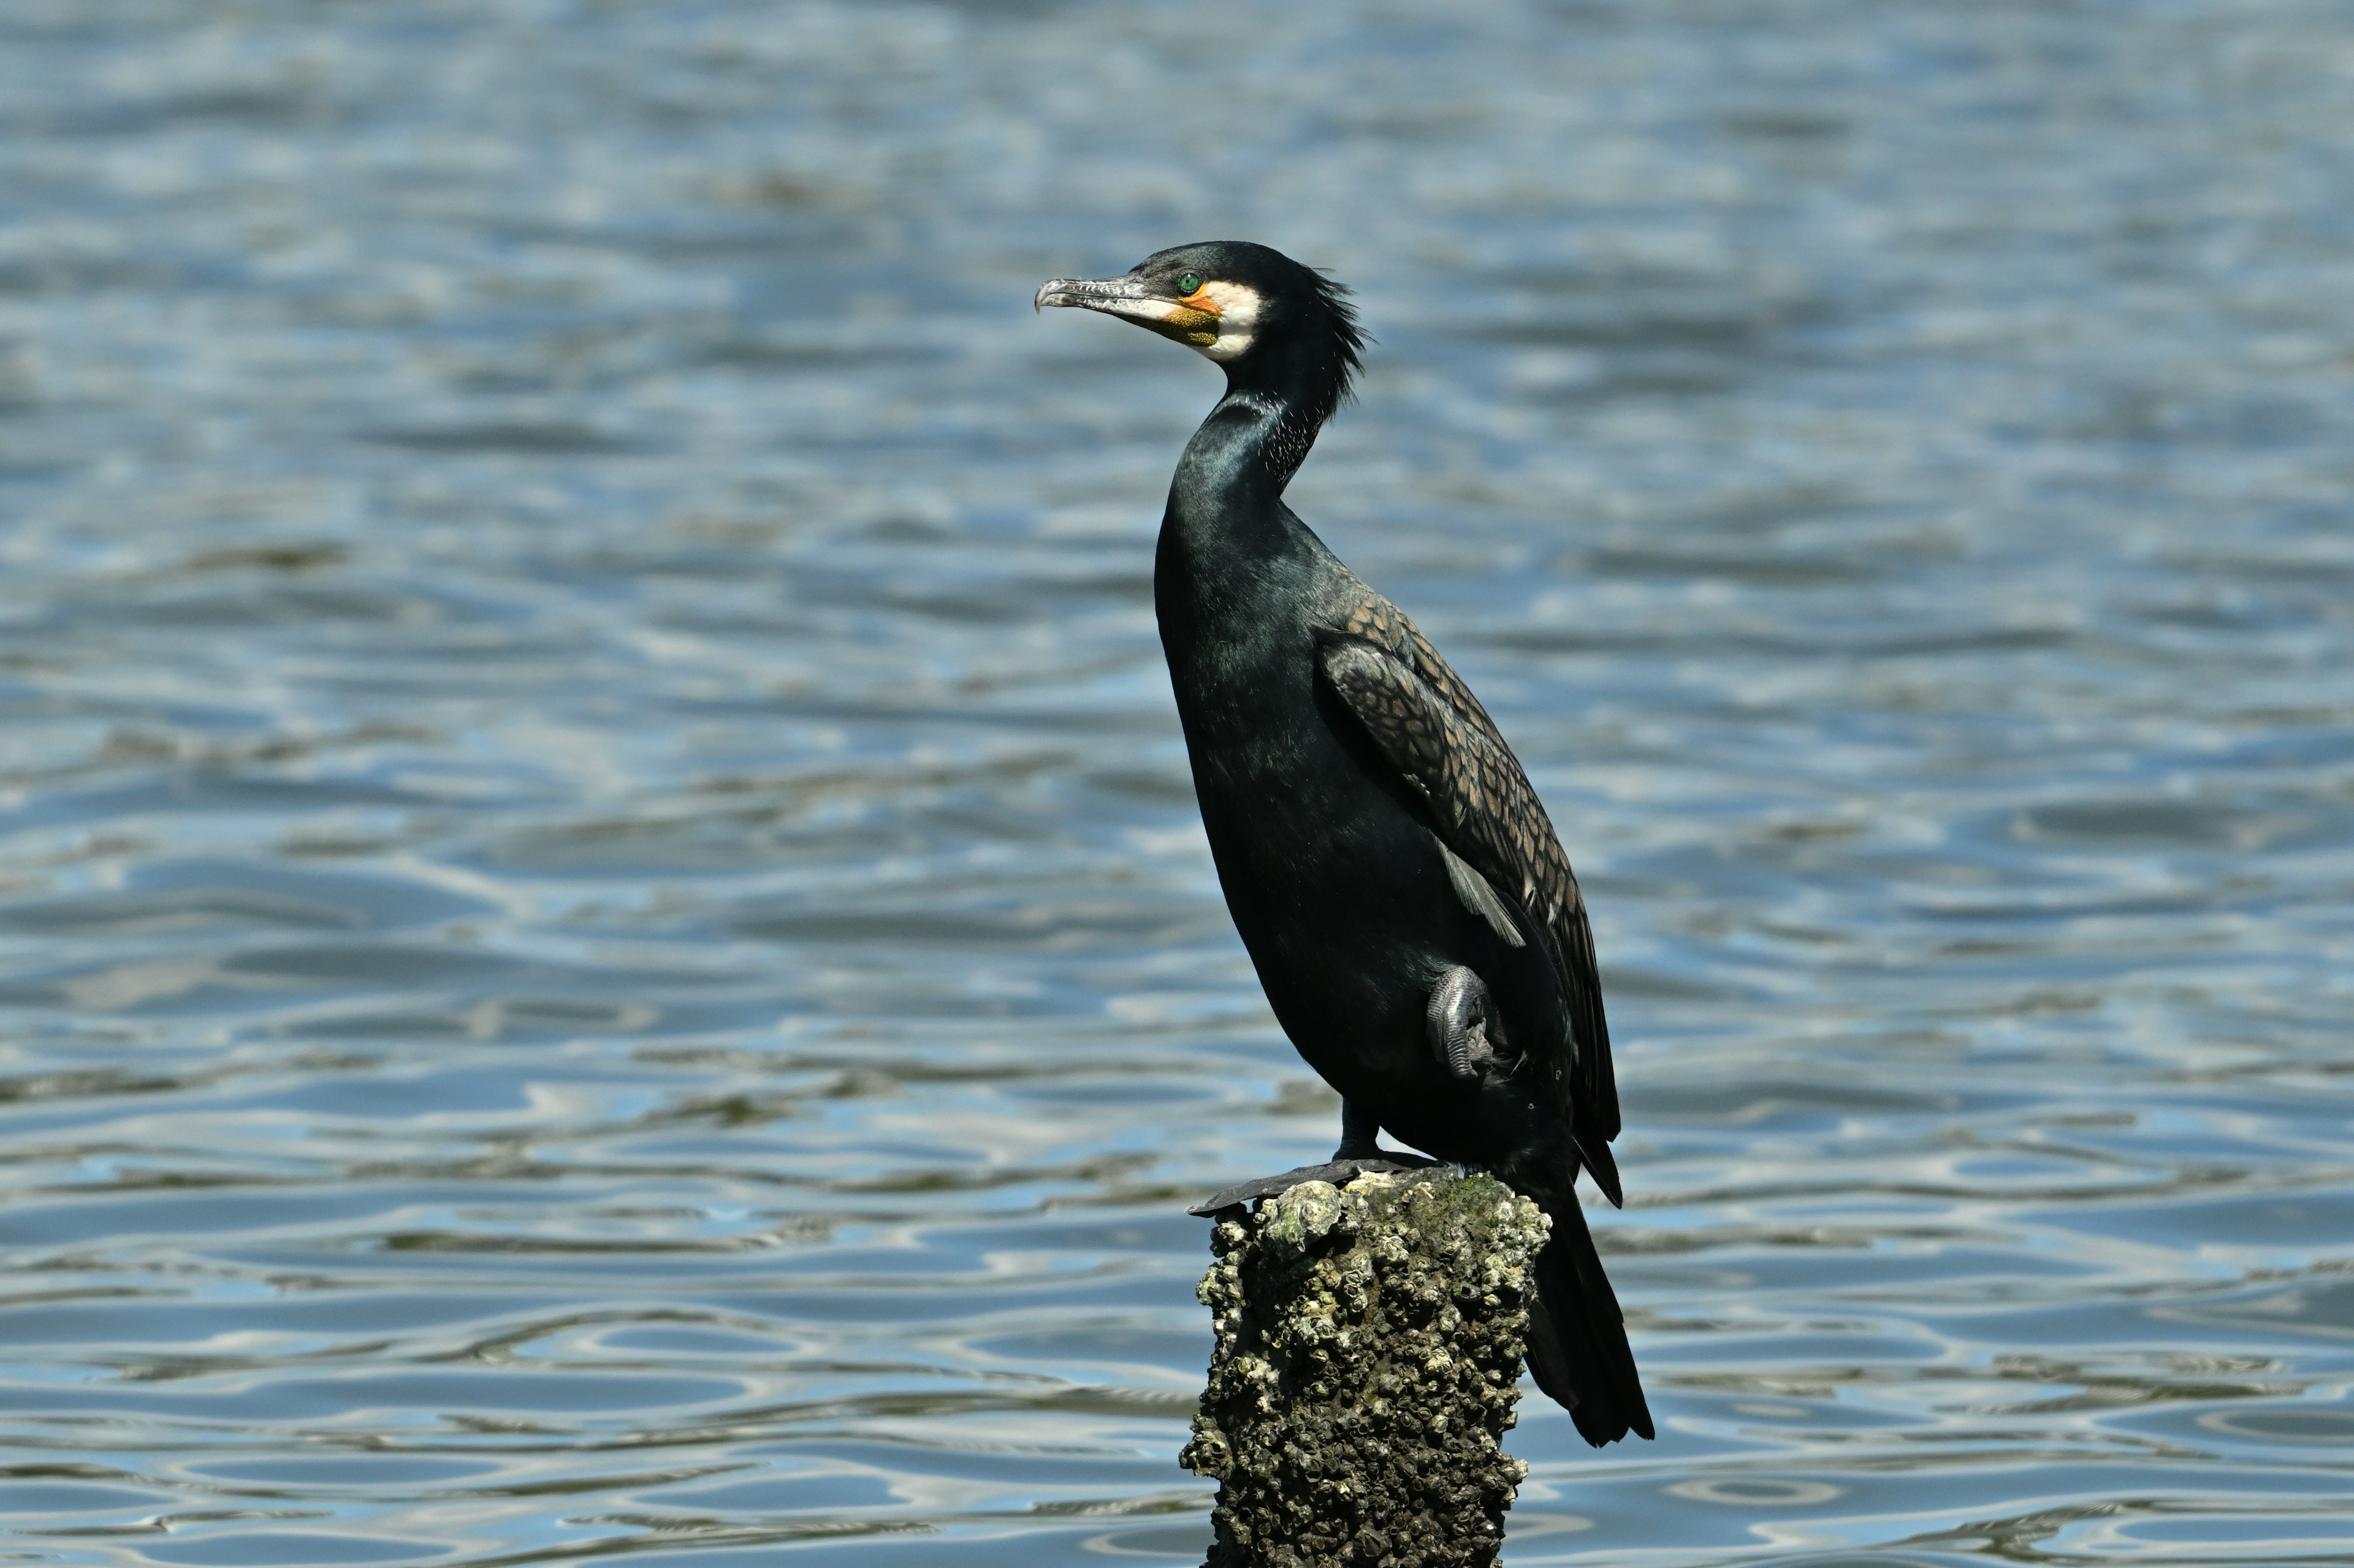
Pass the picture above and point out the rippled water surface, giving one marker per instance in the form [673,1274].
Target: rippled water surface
[604,946]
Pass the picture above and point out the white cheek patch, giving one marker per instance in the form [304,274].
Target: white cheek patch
[1237,320]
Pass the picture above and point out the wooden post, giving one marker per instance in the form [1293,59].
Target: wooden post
[1367,1365]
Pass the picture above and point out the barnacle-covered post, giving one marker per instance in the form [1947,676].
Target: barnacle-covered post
[1367,1365]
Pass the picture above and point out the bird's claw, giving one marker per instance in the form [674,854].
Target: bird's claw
[1340,1172]
[1460,1022]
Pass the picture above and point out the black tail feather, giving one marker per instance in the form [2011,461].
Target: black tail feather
[1603,1167]
[1577,1339]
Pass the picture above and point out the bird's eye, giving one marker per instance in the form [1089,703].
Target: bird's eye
[1190,284]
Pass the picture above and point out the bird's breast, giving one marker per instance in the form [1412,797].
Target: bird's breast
[1310,840]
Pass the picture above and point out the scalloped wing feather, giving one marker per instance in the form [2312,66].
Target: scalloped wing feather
[1433,730]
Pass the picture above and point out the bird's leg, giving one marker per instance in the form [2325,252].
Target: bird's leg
[1464,1032]
[1358,1155]
[1461,1024]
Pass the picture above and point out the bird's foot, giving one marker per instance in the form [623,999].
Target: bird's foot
[1461,1024]
[1339,1171]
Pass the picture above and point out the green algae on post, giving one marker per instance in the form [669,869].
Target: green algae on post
[1368,1363]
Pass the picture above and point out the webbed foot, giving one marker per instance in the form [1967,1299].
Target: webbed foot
[1461,1024]
[1340,1172]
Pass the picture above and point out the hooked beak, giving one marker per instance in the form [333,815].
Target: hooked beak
[1126,296]
[1193,320]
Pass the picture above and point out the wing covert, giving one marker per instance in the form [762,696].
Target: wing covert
[1429,726]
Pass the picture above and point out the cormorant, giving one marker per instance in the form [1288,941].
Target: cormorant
[1392,872]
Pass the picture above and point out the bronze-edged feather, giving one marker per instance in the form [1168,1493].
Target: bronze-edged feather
[1427,724]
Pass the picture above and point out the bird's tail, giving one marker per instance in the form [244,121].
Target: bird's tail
[1577,1339]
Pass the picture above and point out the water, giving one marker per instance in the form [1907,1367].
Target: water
[603,940]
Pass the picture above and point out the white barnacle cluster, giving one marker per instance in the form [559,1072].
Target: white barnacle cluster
[1369,1341]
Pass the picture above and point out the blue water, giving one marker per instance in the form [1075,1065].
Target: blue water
[604,946]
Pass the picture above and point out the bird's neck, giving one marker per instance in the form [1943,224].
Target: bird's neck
[1227,494]
[1232,555]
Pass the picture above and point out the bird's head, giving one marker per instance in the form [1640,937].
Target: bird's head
[1263,316]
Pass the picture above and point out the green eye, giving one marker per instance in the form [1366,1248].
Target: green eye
[1190,284]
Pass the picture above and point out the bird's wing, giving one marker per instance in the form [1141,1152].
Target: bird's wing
[1429,726]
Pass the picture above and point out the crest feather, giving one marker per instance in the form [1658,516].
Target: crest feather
[1348,338]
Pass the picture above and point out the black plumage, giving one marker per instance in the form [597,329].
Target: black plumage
[1392,872]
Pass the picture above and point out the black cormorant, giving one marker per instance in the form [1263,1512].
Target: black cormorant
[1392,872]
